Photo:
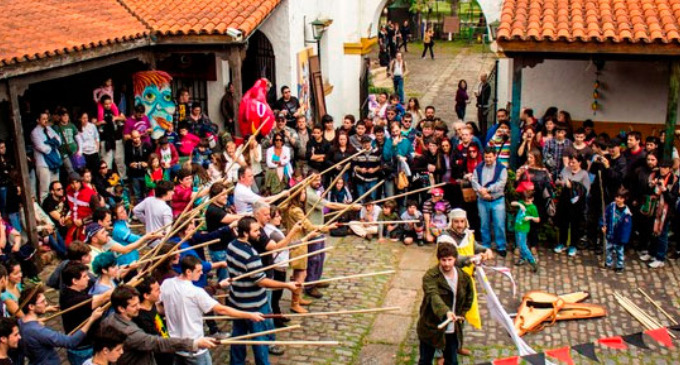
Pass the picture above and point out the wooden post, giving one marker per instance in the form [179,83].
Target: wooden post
[235,59]
[672,108]
[515,135]
[22,162]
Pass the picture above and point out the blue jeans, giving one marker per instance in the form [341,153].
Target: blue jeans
[243,326]
[492,212]
[614,250]
[217,256]
[521,241]
[450,351]
[58,244]
[364,186]
[3,200]
[15,221]
[202,359]
[659,246]
[138,188]
[78,357]
[398,82]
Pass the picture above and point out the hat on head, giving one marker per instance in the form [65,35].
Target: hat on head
[457,213]
[91,230]
[437,192]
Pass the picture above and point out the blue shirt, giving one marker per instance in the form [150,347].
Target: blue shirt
[123,235]
[245,294]
[39,342]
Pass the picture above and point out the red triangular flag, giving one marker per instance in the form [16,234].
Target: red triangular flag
[513,360]
[661,335]
[615,342]
[562,354]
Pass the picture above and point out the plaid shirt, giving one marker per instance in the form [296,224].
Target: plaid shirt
[552,155]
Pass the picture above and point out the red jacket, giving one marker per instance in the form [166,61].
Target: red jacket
[173,151]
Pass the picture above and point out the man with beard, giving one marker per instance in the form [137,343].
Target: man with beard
[469,253]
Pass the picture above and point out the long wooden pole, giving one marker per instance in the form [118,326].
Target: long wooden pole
[263,269]
[181,251]
[381,222]
[658,306]
[269,332]
[305,243]
[312,314]
[400,195]
[281,343]
[328,189]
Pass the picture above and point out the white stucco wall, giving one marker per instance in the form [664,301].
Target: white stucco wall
[287,27]
[215,90]
[631,91]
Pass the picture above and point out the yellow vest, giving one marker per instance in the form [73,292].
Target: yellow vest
[467,248]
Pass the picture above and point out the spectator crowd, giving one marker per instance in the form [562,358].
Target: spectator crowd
[102,175]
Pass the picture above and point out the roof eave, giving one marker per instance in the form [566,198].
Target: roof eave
[510,47]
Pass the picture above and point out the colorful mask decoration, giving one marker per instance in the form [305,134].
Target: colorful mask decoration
[152,89]
[254,110]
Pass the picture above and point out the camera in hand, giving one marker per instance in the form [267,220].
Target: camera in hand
[419,134]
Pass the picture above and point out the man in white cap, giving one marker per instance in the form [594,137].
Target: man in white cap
[469,253]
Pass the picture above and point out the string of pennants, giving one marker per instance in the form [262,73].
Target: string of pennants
[563,354]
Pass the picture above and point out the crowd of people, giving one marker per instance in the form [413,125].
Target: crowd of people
[428,181]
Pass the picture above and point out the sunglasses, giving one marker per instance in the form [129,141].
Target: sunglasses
[278,140]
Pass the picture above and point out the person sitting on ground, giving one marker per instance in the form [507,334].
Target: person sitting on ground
[412,231]
[369,213]
[390,230]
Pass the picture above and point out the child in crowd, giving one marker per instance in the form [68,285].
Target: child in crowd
[413,232]
[121,195]
[617,226]
[201,154]
[186,141]
[526,214]
[171,135]
[296,178]
[440,220]
[369,213]
[392,231]
[155,173]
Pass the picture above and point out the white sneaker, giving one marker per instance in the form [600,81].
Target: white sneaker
[656,264]
[644,256]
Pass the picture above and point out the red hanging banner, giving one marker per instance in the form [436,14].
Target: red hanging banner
[661,335]
[513,360]
[615,342]
[562,354]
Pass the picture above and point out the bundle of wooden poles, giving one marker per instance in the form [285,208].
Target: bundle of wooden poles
[638,313]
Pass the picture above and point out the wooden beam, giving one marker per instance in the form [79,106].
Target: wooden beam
[589,48]
[515,135]
[22,162]
[672,108]
[76,62]
[235,58]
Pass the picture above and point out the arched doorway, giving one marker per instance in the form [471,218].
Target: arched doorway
[260,62]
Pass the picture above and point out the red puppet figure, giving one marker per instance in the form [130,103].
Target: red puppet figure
[254,110]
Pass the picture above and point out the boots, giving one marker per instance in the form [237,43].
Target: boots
[295,303]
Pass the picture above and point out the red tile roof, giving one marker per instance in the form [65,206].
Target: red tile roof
[44,28]
[595,21]
[180,17]
[33,29]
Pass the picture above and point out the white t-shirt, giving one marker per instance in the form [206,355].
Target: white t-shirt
[185,305]
[275,234]
[244,197]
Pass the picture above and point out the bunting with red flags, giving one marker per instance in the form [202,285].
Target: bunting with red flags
[661,335]
[563,354]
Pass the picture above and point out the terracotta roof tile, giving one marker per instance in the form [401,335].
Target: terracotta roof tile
[631,21]
[44,28]
[177,17]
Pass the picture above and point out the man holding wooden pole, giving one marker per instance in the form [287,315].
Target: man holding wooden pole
[248,294]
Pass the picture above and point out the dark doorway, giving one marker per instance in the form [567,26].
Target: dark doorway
[260,62]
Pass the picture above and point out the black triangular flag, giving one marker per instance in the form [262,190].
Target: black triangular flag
[485,363]
[535,359]
[587,350]
[636,340]
[675,328]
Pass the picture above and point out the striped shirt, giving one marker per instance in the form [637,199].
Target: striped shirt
[245,294]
